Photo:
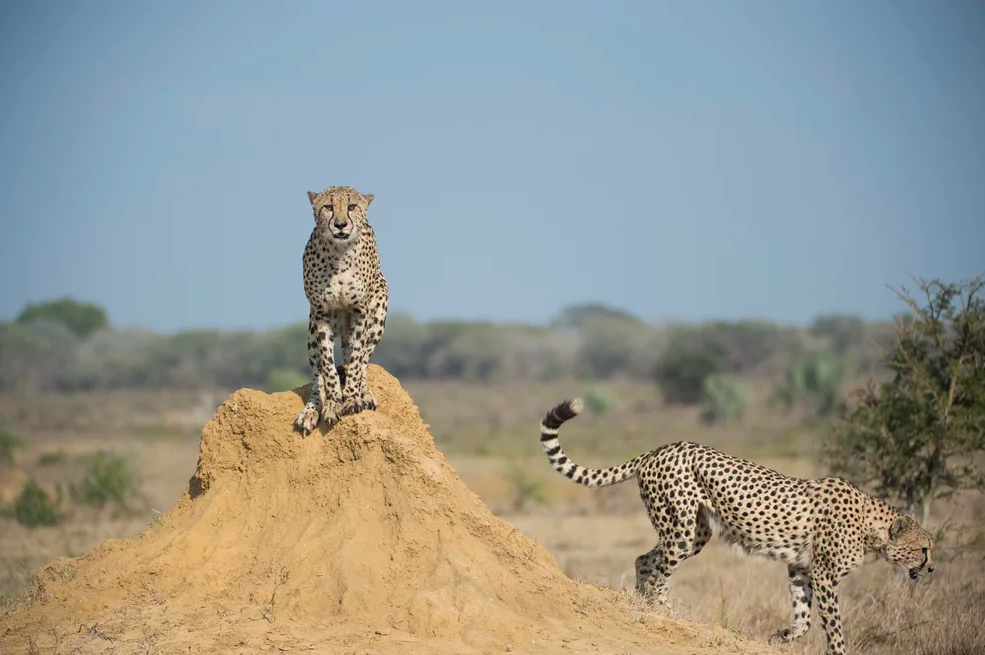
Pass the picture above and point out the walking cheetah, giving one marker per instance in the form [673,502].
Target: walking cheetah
[820,528]
[347,297]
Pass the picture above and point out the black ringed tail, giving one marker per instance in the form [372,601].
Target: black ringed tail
[591,478]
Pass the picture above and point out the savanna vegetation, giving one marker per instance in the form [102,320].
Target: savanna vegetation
[98,435]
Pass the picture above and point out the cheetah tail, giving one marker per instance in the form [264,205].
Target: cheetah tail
[591,478]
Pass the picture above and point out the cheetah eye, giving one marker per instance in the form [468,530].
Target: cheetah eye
[328,207]
[352,208]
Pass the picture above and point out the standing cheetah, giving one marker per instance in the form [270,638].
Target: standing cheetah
[820,528]
[348,297]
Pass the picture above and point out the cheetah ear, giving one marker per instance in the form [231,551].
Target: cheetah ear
[901,524]
[311,197]
[369,198]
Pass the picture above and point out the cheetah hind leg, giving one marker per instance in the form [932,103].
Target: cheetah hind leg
[801,594]
[651,584]
[677,543]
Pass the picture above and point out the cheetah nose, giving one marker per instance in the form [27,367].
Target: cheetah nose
[339,224]
[930,569]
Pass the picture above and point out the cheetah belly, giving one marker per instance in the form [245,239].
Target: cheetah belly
[344,289]
[769,529]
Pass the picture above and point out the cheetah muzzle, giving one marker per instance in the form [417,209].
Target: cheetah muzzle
[347,298]
[820,528]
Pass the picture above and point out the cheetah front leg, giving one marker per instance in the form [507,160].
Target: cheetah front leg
[365,329]
[826,590]
[325,399]
[801,593]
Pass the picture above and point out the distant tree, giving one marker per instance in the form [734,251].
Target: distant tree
[285,348]
[468,351]
[576,316]
[681,375]
[611,346]
[401,351]
[82,319]
[535,353]
[725,398]
[812,382]
[35,357]
[740,347]
[921,435]
[843,331]
[284,379]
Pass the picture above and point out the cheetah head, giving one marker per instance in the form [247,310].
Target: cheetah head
[910,547]
[340,214]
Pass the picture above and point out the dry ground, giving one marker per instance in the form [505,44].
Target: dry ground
[489,436]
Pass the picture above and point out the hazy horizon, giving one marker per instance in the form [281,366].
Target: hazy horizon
[678,161]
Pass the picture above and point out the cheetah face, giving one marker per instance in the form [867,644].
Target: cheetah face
[340,214]
[910,547]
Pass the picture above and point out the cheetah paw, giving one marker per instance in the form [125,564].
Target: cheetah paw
[369,399]
[780,637]
[330,413]
[307,420]
[356,403]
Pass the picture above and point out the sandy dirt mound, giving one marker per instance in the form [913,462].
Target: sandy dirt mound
[361,539]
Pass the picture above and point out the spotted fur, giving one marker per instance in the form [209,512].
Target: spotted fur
[347,296]
[820,528]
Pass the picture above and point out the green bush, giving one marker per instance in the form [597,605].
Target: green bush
[51,458]
[814,383]
[725,398]
[523,488]
[598,401]
[681,374]
[920,435]
[285,379]
[8,444]
[107,478]
[33,506]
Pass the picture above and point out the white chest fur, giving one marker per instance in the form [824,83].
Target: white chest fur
[344,289]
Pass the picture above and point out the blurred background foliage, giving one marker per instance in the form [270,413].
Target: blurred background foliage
[66,345]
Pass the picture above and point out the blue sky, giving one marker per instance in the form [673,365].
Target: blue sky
[679,160]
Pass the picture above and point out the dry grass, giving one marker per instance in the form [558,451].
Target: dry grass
[595,536]
[883,612]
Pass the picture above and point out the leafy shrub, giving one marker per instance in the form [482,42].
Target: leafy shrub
[523,488]
[33,506]
[814,383]
[8,444]
[921,434]
[51,458]
[725,398]
[681,374]
[598,401]
[285,379]
[107,478]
